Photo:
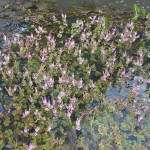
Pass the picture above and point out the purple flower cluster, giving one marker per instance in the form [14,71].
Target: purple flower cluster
[51,77]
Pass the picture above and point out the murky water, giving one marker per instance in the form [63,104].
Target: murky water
[67,4]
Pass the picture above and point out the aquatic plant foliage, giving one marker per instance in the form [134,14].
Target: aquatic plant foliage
[57,78]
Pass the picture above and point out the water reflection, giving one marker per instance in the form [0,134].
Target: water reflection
[67,4]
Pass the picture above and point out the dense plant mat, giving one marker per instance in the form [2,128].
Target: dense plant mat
[54,83]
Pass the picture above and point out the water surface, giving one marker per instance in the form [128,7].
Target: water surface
[67,4]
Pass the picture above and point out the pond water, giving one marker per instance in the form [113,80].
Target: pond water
[11,16]
[120,124]
[123,123]
[67,4]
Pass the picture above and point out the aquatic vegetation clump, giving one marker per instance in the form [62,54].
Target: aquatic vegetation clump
[54,79]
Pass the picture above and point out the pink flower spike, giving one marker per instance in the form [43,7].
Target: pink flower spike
[7,58]
[70,107]
[64,18]
[25,130]
[74,82]
[43,59]
[130,25]
[60,80]
[135,90]
[26,72]
[26,113]
[103,52]
[60,51]
[31,146]
[1,63]
[129,59]
[54,18]
[37,113]
[80,83]
[9,71]
[82,36]
[141,80]
[31,99]
[39,30]
[54,111]
[59,99]
[63,72]
[31,38]
[30,82]
[73,100]
[49,37]
[37,129]
[53,103]
[107,37]
[4,37]
[52,65]
[61,105]
[70,44]
[124,54]
[78,126]
[140,118]
[49,128]
[69,112]
[44,100]
[50,82]
[81,60]
[92,85]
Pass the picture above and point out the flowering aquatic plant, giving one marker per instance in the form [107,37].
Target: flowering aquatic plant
[53,78]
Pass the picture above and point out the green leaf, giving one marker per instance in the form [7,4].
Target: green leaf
[136,9]
[97,73]
[73,25]
[106,22]
[27,18]
[140,138]
[7,6]
[14,45]
[111,109]
[32,26]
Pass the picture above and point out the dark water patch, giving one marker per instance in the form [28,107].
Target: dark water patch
[132,138]
[1,108]
[93,4]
